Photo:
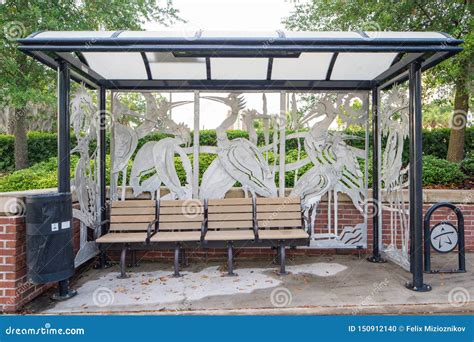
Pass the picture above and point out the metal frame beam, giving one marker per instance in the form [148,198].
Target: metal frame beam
[261,85]
[416,187]
[377,201]
[64,151]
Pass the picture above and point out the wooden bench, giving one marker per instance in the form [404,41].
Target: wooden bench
[230,222]
[179,224]
[128,225]
[280,223]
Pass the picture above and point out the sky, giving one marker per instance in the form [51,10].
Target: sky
[234,15]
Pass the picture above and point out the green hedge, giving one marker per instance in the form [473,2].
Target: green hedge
[44,174]
[42,146]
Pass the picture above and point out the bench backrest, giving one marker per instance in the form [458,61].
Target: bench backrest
[230,213]
[282,212]
[131,215]
[180,215]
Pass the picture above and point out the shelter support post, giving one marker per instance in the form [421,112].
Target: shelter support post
[102,179]
[416,190]
[282,152]
[376,258]
[64,151]
[195,145]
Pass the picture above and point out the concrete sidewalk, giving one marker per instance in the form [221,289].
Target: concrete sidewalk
[327,284]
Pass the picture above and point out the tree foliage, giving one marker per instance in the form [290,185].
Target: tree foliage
[24,80]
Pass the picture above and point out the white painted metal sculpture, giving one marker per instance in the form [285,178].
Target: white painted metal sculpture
[335,167]
[238,160]
[335,163]
[154,162]
[84,123]
[394,122]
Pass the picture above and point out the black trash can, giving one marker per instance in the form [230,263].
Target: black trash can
[49,254]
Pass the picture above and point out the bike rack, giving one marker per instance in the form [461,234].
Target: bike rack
[460,234]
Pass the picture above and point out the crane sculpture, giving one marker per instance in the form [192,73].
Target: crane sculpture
[237,160]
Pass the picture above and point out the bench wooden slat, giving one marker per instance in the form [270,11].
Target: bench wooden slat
[180,225]
[230,235]
[122,238]
[229,224]
[180,210]
[132,218]
[180,203]
[265,208]
[229,209]
[128,226]
[278,223]
[277,215]
[289,234]
[181,218]
[133,203]
[175,236]
[230,217]
[278,200]
[117,211]
[229,201]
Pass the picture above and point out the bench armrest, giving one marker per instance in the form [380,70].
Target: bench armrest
[148,230]
[203,229]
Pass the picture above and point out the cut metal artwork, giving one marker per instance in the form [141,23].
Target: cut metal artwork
[153,164]
[394,176]
[238,160]
[335,168]
[84,121]
[334,162]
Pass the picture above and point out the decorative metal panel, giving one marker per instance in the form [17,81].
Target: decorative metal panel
[394,175]
[84,122]
[331,162]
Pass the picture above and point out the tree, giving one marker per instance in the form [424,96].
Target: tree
[25,81]
[453,17]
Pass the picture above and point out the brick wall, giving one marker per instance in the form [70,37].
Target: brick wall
[15,290]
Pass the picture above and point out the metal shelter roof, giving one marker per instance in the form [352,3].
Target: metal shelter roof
[210,60]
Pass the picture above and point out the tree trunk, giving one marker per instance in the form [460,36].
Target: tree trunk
[458,123]
[21,145]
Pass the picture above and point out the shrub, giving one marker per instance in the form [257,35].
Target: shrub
[467,165]
[42,146]
[438,171]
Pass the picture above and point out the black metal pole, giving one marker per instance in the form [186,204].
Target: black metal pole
[64,151]
[375,177]
[416,185]
[102,154]
[102,171]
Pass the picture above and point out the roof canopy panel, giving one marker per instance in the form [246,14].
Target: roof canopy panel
[244,59]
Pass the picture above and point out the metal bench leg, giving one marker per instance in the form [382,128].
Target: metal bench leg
[184,258]
[276,258]
[230,260]
[133,259]
[282,259]
[123,263]
[177,249]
